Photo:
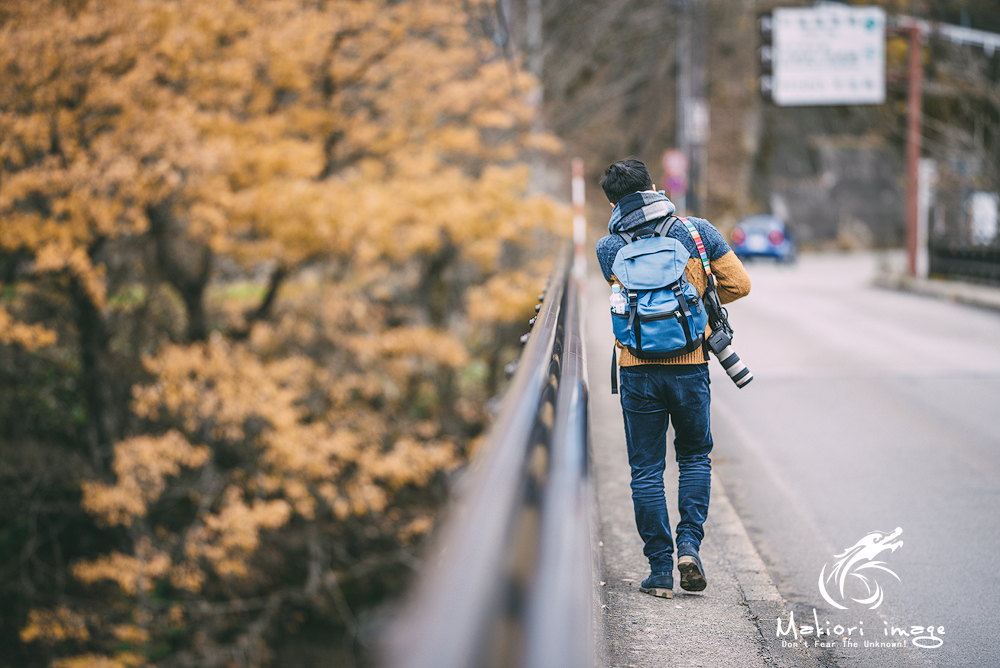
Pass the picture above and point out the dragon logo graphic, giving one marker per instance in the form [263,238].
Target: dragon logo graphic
[860,557]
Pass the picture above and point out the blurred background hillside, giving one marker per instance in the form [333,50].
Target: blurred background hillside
[262,264]
[837,173]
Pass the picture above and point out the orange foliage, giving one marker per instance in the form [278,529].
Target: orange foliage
[31,337]
[141,465]
[227,538]
[133,573]
[57,625]
[364,153]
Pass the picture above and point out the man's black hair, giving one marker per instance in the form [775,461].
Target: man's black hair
[624,178]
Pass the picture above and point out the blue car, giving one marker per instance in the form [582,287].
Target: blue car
[763,235]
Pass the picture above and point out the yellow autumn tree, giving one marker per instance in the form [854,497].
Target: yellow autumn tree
[268,243]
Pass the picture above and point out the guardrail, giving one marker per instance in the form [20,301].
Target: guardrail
[978,263]
[511,581]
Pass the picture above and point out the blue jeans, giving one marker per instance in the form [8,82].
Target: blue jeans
[651,395]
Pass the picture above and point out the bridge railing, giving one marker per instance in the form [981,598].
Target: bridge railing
[510,581]
[979,263]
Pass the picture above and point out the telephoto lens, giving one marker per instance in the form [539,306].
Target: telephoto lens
[719,343]
[736,369]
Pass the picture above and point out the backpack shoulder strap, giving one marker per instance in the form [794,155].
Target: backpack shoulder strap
[661,228]
[710,295]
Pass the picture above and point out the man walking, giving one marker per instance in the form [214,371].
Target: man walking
[656,391]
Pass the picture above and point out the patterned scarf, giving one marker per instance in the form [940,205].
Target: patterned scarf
[634,210]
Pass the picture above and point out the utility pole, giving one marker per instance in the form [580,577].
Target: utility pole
[699,116]
[683,46]
[692,108]
[533,31]
[915,79]
[535,60]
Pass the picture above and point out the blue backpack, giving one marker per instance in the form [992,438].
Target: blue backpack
[664,316]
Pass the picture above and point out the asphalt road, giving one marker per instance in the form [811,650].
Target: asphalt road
[870,410]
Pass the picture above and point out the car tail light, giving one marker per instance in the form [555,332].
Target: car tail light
[738,236]
[777,237]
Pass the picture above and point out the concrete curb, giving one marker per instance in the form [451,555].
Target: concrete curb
[763,600]
[961,292]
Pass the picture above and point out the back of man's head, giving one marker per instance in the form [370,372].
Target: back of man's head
[624,178]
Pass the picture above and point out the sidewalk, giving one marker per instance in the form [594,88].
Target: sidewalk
[971,294]
[892,274]
[716,628]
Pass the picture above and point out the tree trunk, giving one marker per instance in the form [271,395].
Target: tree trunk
[93,382]
[184,263]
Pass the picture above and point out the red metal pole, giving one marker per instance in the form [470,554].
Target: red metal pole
[913,141]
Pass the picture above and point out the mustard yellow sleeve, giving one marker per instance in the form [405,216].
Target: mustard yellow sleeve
[731,279]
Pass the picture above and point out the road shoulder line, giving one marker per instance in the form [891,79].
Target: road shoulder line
[762,598]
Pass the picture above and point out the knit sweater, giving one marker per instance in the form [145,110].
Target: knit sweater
[731,279]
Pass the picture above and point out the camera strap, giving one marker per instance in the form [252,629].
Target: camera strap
[693,231]
[711,295]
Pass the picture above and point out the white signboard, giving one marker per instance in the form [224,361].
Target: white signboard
[984,210]
[829,54]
